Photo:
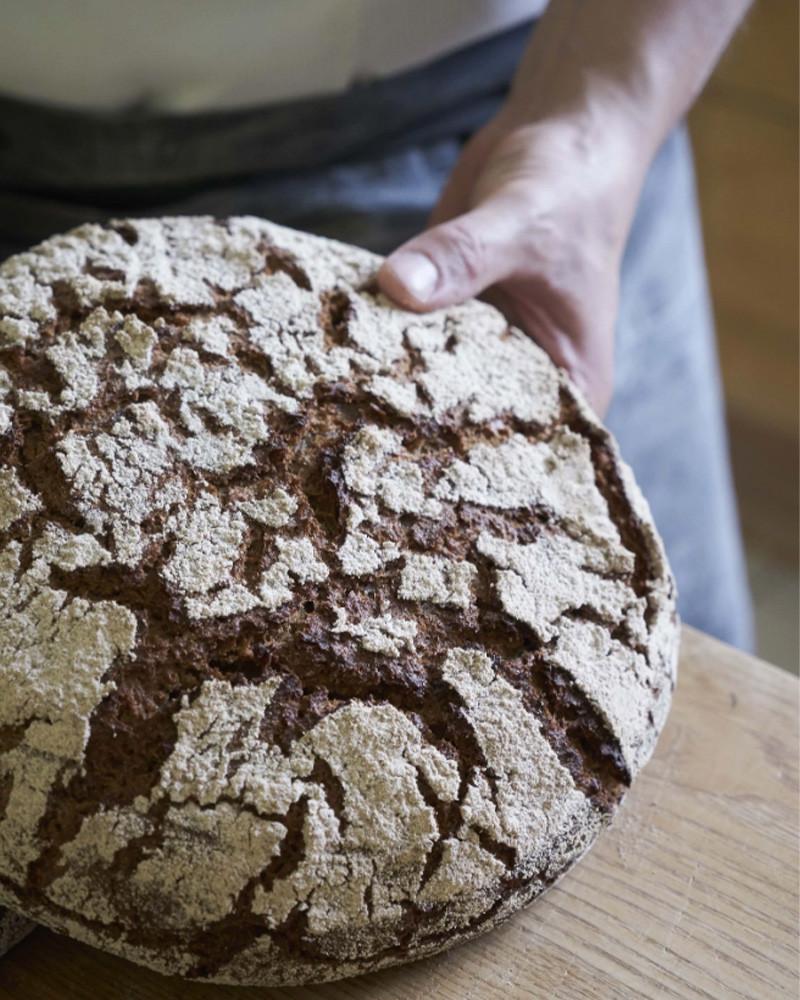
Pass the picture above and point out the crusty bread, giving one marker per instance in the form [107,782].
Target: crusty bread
[330,634]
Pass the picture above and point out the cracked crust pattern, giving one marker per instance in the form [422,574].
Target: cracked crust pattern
[330,634]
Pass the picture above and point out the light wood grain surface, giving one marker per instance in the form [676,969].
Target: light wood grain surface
[692,893]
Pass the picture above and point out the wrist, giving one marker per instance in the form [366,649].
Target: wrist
[591,151]
[601,112]
[610,84]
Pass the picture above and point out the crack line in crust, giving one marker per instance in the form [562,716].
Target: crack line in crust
[219,942]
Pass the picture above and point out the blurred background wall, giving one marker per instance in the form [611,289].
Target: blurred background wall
[745,131]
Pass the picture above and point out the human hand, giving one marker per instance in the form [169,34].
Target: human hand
[538,208]
[534,217]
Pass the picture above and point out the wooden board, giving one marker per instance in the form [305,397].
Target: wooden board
[692,893]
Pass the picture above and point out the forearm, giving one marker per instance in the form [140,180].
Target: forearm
[639,62]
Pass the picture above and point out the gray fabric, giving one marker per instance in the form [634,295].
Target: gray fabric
[667,411]
[374,185]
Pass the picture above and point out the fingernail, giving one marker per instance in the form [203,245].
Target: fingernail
[416,272]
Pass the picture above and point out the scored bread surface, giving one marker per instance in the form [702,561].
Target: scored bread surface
[330,634]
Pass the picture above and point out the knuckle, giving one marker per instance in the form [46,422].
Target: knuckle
[466,252]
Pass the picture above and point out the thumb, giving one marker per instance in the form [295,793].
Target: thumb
[454,261]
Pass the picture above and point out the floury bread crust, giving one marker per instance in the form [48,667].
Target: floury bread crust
[330,634]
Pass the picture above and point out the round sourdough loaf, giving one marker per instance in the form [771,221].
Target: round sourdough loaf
[330,634]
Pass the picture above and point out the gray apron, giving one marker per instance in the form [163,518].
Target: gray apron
[366,166]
